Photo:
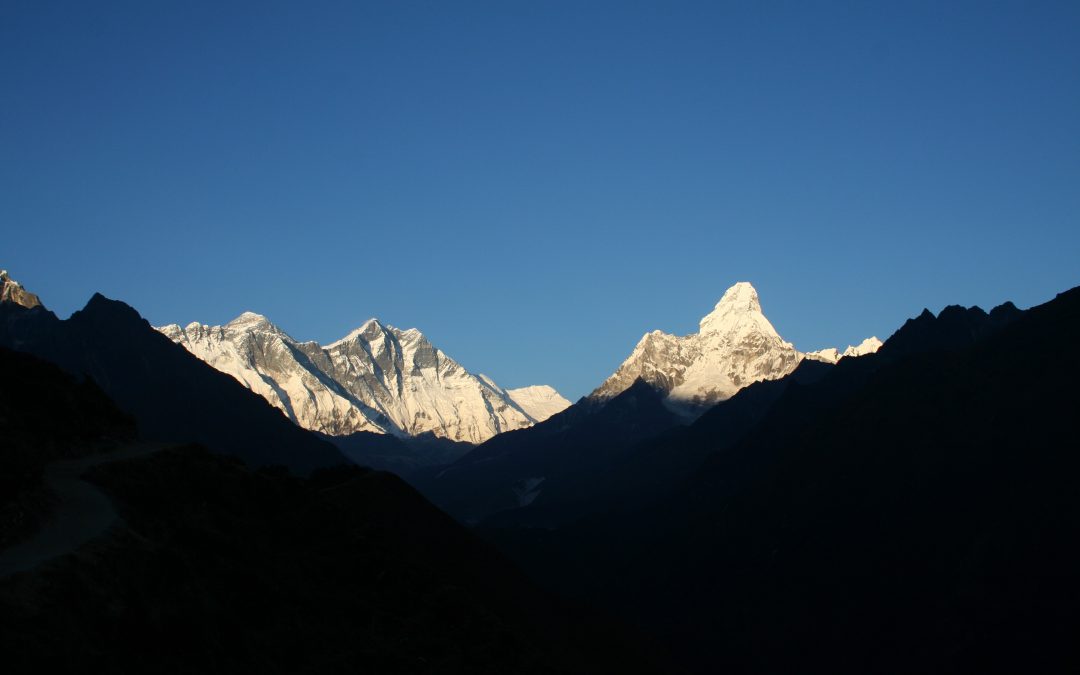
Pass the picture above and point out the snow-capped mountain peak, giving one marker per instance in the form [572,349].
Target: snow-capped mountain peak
[738,312]
[738,301]
[251,321]
[735,346]
[371,325]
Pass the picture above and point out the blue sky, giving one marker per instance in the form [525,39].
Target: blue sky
[536,184]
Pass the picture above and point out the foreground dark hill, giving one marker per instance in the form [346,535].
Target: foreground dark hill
[218,567]
[225,569]
[172,395]
[913,511]
[46,414]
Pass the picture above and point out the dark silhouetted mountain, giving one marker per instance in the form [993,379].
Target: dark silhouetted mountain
[512,469]
[173,395]
[952,328]
[225,569]
[653,468]
[910,511]
[51,413]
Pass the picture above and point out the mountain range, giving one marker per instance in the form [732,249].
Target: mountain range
[381,379]
[570,465]
[900,507]
[377,379]
[389,399]
[384,380]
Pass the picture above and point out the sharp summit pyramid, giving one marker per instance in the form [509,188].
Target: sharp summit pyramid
[735,346]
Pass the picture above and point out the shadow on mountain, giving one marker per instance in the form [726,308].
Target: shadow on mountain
[514,468]
[909,511]
[172,395]
[403,456]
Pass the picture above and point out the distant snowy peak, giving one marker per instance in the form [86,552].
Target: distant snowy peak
[828,355]
[539,401]
[867,346]
[832,354]
[13,291]
[370,327]
[251,321]
[377,378]
[735,346]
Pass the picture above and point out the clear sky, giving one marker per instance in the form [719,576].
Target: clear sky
[536,184]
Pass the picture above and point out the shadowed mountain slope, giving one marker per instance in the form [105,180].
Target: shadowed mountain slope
[404,456]
[513,469]
[220,568]
[912,511]
[172,395]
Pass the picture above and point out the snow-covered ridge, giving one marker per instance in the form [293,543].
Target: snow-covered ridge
[377,378]
[832,354]
[734,347]
[539,401]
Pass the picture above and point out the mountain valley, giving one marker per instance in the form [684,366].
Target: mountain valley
[738,504]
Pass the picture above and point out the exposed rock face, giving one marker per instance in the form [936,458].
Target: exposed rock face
[378,379]
[734,346]
[12,291]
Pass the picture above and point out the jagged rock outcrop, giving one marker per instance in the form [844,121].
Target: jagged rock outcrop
[12,291]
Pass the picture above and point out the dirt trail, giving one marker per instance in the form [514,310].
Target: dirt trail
[82,511]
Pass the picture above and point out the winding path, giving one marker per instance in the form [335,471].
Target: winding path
[82,511]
